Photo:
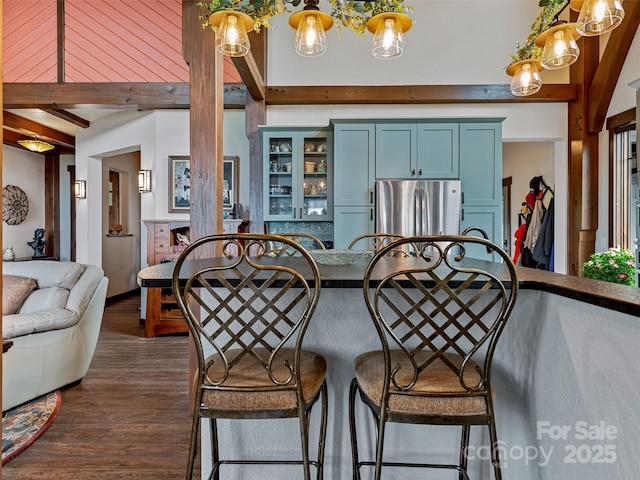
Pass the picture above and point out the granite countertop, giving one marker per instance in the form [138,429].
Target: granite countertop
[609,295]
[612,296]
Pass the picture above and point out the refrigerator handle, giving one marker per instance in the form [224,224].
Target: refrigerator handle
[417,209]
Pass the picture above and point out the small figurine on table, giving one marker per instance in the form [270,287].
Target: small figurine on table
[38,243]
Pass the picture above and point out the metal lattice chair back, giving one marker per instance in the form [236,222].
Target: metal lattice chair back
[247,313]
[231,304]
[442,305]
[280,249]
[438,315]
[376,241]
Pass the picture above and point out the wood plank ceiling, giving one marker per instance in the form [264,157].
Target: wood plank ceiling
[91,44]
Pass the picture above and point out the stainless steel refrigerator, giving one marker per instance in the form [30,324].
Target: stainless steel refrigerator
[418,207]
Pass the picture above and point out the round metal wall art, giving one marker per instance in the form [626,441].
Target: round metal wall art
[15,205]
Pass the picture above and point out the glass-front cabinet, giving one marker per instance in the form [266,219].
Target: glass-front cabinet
[298,168]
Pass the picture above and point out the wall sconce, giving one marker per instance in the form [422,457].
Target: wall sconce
[144,181]
[80,189]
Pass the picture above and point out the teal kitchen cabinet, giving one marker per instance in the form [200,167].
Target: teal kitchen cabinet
[481,180]
[489,220]
[298,181]
[438,151]
[354,181]
[396,150]
[354,164]
[423,150]
[481,163]
[351,222]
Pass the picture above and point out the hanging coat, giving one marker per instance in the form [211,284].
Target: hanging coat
[533,230]
[544,243]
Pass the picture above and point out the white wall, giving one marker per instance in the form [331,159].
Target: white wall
[451,42]
[25,170]
[157,135]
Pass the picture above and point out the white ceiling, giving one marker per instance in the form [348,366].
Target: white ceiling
[59,124]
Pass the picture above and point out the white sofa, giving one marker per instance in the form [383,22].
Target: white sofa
[55,330]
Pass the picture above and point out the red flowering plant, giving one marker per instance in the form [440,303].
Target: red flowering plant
[616,265]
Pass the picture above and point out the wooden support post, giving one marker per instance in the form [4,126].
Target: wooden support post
[582,163]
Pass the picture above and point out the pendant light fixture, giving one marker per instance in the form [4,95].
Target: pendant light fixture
[597,16]
[36,145]
[388,30]
[231,32]
[310,25]
[559,45]
[526,77]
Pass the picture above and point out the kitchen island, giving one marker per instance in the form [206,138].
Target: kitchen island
[565,373]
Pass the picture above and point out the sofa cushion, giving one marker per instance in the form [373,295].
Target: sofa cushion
[48,273]
[15,289]
[40,321]
[52,297]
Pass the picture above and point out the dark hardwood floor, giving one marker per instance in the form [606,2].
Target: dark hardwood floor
[128,419]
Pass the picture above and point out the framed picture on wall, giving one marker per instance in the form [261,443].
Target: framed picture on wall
[230,174]
[179,184]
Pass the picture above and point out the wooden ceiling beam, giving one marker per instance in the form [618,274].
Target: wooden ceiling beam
[152,96]
[608,71]
[67,117]
[412,94]
[9,137]
[142,96]
[97,95]
[29,128]
[251,67]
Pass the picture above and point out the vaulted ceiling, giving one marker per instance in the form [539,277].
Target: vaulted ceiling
[70,62]
[130,52]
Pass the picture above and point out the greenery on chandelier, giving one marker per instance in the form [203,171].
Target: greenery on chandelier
[528,49]
[353,14]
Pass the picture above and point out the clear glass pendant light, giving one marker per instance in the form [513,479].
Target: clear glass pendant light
[310,40]
[526,80]
[599,16]
[560,46]
[388,41]
[232,39]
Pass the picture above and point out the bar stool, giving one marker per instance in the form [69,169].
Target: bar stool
[375,241]
[247,316]
[439,316]
[308,241]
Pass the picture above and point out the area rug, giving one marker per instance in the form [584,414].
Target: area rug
[23,424]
